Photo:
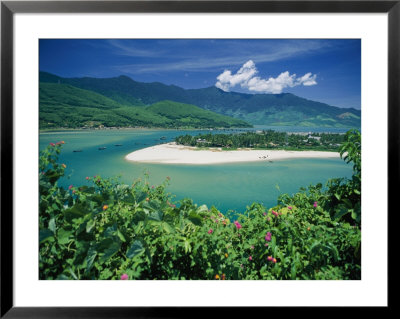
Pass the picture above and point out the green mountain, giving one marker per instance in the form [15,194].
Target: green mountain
[64,105]
[262,109]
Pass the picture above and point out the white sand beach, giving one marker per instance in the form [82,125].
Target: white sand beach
[171,153]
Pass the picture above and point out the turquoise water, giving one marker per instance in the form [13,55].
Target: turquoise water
[226,186]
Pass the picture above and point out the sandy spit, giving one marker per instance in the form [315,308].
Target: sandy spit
[171,153]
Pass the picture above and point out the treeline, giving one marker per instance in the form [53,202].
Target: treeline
[269,139]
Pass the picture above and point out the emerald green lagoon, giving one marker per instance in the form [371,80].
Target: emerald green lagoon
[226,186]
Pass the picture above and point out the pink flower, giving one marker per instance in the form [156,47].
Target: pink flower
[268,236]
[265,214]
[52,144]
[124,277]
[269,258]
[87,177]
[315,204]
[237,224]
[250,258]
[152,187]
[266,244]
[210,231]
[70,186]
[252,247]
[289,207]
[275,213]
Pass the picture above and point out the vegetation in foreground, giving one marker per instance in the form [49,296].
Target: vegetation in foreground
[269,139]
[106,230]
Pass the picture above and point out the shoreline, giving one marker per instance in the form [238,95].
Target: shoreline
[171,153]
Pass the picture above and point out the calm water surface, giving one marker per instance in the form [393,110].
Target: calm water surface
[226,186]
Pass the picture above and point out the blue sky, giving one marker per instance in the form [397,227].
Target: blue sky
[325,70]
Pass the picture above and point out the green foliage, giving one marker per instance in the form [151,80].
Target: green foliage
[63,105]
[104,230]
[182,115]
[345,195]
[266,140]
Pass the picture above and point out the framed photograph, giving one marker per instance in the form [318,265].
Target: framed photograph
[160,155]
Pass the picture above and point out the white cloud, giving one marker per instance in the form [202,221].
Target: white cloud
[246,78]
[308,79]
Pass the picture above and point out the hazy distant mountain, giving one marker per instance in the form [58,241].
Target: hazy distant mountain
[262,109]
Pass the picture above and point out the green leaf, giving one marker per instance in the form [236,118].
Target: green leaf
[334,251]
[110,251]
[110,231]
[340,212]
[140,197]
[188,247]
[135,249]
[63,236]
[316,244]
[104,244]
[52,225]
[293,272]
[155,204]
[195,218]
[90,224]
[75,212]
[91,255]
[44,235]
[157,215]
[347,202]
[121,236]
[72,274]
[168,228]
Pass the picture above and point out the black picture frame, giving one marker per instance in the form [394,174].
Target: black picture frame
[9,8]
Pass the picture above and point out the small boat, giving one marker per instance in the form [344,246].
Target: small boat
[102,148]
[163,137]
[118,144]
[75,151]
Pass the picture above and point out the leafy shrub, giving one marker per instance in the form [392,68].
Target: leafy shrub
[107,230]
[344,195]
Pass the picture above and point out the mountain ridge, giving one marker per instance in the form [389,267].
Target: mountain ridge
[64,105]
[264,109]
